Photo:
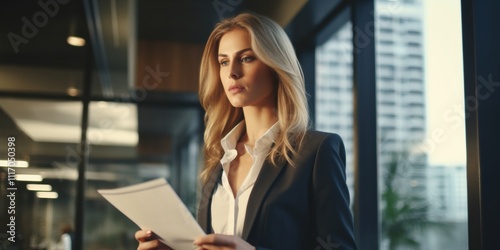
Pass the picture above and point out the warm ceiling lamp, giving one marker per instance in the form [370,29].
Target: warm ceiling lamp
[76,41]
[72,91]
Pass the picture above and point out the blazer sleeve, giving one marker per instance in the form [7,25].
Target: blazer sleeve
[332,217]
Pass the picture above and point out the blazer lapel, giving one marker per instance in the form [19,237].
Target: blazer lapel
[266,177]
[206,199]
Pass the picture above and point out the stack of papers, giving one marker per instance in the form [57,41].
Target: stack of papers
[155,206]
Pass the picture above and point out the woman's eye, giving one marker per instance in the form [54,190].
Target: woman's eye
[224,63]
[247,59]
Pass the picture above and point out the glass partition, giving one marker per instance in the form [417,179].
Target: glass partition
[44,136]
[129,144]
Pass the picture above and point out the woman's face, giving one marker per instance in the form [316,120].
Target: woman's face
[246,80]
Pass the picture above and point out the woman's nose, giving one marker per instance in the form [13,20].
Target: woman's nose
[235,71]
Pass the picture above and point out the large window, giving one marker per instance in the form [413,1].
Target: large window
[421,165]
[423,197]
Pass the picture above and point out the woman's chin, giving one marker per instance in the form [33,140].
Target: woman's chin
[237,104]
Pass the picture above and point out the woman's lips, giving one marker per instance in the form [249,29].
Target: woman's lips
[236,89]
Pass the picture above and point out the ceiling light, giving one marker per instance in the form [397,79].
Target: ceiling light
[39,187]
[18,164]
[72,91]
[76,41]
[47,195]
[115,125]
[28,177]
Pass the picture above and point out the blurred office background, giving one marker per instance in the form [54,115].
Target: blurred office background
[103,94]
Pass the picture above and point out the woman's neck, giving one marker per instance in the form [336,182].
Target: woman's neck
[257,122]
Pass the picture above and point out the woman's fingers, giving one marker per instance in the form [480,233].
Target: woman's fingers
[152,244]
[148,241]
[216,239]
[222,242]
[143,235]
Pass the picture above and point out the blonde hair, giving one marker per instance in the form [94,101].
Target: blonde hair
[272,46]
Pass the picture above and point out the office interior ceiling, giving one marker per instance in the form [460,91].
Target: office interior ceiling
[43,121]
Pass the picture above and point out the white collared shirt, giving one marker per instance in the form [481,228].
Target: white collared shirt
[228,212]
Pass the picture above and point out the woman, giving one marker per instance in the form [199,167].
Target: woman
[268,182]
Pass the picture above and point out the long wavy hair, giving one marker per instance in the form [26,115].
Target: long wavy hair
[272,46]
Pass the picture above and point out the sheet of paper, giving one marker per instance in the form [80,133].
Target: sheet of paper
[154,205]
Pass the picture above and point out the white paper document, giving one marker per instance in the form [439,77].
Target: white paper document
[155,206]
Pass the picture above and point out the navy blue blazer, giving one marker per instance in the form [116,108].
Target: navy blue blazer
[305,207]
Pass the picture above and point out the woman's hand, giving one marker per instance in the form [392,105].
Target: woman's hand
[147,241]
[222,242]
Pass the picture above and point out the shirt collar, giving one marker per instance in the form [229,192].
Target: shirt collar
[266,140]
[229,141]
